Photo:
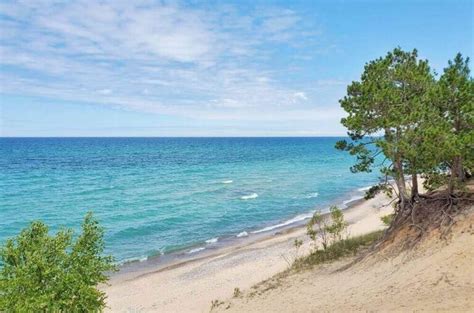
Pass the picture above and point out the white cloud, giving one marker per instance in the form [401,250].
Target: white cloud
[300,96]
[156,57]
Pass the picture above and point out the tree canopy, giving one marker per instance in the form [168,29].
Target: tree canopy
[414,122]
[44,273]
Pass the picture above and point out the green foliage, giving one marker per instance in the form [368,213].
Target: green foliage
[43,273]
[455,99]
[337,250]
[390,99]
[338,225]
[374,190]
[419,125]
[318,228]
[387,219]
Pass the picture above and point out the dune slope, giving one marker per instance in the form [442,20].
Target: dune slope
[437,275]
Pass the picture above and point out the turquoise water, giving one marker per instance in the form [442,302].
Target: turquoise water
[157,195]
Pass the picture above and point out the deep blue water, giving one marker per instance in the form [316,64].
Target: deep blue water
[156,195]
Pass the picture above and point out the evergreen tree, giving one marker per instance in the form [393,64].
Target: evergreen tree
[386,109]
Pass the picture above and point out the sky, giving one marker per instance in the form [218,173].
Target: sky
[204,68]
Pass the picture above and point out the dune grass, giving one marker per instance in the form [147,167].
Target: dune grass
[337,250]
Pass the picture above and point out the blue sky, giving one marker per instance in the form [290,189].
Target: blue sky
[194,68]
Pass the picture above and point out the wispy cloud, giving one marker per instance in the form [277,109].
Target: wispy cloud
[166,58]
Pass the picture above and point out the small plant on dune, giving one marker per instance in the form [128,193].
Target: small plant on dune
[297,244]
[317,229]
[338,228]
[215,304]
[43,273]
[387,219]
[337,250]
[237,292]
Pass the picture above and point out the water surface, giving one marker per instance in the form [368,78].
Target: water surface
[156,195]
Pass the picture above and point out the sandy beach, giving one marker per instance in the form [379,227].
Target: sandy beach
[191,286]
[436,276]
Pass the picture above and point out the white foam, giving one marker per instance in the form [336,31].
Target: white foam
[364,188]
[212,240]
[352,199]
[251,196]
[243,234]
[312,195]
[295,219]
[132,260]
[196,250]
[228,181]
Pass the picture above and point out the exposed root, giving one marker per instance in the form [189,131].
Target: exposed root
[433,213]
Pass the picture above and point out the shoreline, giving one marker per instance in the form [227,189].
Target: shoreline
[221,244]
[190,285]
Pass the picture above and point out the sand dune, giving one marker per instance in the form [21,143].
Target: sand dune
[436,276]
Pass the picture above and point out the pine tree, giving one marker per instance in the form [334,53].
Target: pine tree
[455,100]
[385,109]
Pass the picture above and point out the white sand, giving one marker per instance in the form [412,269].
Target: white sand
[437,276]
[192,286]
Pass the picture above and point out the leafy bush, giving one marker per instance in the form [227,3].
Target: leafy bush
[43,273]
[318,227]
[338,227]
[387,219]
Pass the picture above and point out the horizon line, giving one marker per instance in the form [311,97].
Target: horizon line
[39,137]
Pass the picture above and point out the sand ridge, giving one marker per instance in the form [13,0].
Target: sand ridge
[437,276]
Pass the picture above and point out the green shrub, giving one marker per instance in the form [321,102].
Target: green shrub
[338,227]
[318,227]
[43,273]
[337,250]
[387,219]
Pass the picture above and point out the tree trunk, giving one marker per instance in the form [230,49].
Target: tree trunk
[460,170]
[452,178]
[457,164]
[400,181]
[414,186]
[457,174]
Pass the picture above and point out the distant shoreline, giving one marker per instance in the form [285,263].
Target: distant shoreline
[184,285]
[201,251]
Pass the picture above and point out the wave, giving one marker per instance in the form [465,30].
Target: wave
[242,234]
[352,199]
[365,188]
[227,181]
[132,260]
[312,195]
[212,240]
[251,196]
[196,250]
[295,219]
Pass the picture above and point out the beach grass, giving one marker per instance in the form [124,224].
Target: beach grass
[337,250]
